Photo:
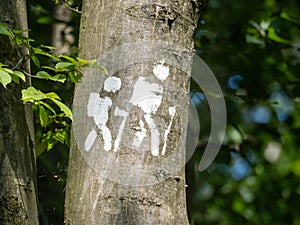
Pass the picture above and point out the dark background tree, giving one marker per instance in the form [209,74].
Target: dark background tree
[18,202]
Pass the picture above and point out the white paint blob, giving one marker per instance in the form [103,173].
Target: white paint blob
[124,114]
[161,71]
[112,84]
[172,111]
[98,108]
[147,96]
[90,140]
[154,135]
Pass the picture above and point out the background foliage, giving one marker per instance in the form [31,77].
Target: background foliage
[253,49]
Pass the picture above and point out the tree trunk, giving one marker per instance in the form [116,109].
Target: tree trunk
[18,204]
[128,141]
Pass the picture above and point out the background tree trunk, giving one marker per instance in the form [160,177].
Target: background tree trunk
[18,204]
[94,194]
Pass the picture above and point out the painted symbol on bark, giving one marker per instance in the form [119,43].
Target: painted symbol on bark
[127,122]
[98,108]
[147,96]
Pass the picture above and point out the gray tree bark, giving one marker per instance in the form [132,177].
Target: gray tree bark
[94,195]
[18,204]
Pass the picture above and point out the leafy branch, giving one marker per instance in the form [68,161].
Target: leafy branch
[53,116]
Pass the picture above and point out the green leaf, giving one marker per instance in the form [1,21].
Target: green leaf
[14,76]
[72,60]
[49,68]
[63,108]
[45,20]
[22,39]
[59,136]
[31,95]
[5,78]
[59,78]
[50,145]
[84,62]
[102,68]
[4,30]
[51,48]
[291,14]
[48,106]
[40,147]
[19,31]
[62,66]
[40,51]
[15,79]
[8,70]
[36,61]
[75,76]
[43,115]
[43,75]
[52,95]
[274,37]
[20,75]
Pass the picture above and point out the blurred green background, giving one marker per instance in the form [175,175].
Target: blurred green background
[253,48]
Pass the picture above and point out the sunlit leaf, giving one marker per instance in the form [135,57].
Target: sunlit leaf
[59,78]
[61,66]
[274,37]
[31,94]
[5,78]
[63,108]
[102,68]
[59,136]
[52,95]
[20,75]
[43,115]
[72,60]
[75,76]
[51,48]
[36,61]
[4,30]
[22,39]
[40,51]
[84,62]
[43,74]
[45,20]
[47,106]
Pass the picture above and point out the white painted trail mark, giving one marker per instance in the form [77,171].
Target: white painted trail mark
[161,71]
[90,140]
[172,111]
[154,135]
[112,84]
[124,114]
[148,96]
[98,108]
[140,134]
